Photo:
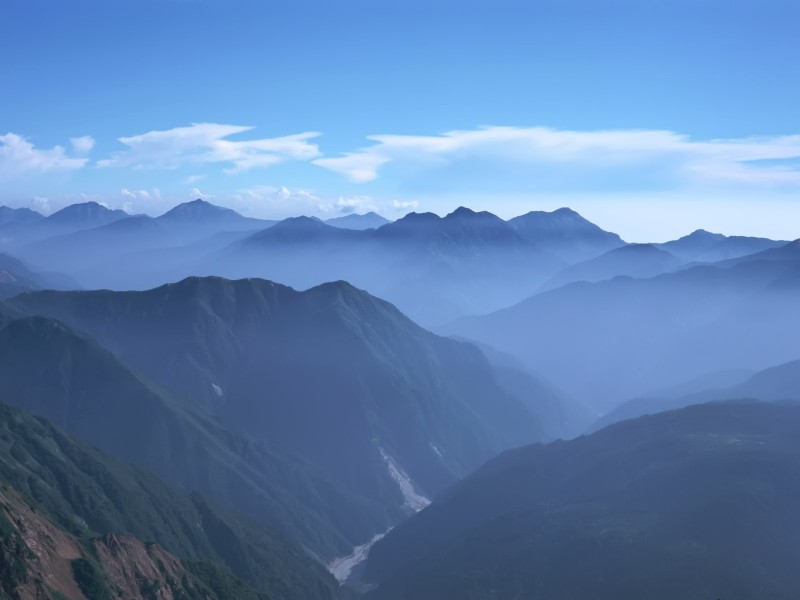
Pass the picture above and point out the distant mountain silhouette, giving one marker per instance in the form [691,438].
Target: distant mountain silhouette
[787,253]
[300,230]
[27,228]
[566,234]
[562,417]
[16,277]
[199,212]
[434,268]
[610,341]
[78,250]
[86,215]
[697,503]
[633,260]
[431,267]
[370,220]
[773,384]
[703,246]
[18,216]
[91,254]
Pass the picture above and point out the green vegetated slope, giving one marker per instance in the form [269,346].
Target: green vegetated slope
[64,501]
[332,374]
[692,504]
[49,370]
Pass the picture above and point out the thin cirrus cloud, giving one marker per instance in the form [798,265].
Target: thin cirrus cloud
[280,202]
[129,194]
[19,157]
[207,143]
[751,161]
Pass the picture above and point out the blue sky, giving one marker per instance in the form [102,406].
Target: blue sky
[650,117]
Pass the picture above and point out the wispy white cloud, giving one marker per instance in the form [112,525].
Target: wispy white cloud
[154,194]
[352,204]
[83,144]
[734,161]
[196,193]
[405,205]
[207,143]
[279,202]
[42,204]
[194,178]
[19,157]
[358,167]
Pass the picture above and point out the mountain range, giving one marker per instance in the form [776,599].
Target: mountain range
[612,340]
[198,428]
[431,267]
[206,383]
[382,386]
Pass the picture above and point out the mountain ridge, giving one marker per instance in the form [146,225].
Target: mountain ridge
[82,387]
[386,394]
[87,494]
[692,503]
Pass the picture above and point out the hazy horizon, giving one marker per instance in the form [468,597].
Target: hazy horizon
[651,121]
[637,235]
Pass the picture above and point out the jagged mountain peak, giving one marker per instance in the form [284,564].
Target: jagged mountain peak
[703,234]
[198,209]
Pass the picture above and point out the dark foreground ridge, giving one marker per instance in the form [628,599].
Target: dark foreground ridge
[695,503]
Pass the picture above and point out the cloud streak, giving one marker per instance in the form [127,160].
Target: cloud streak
[278,201]
[19,157]
[209,143]
[155,194]
[721,161]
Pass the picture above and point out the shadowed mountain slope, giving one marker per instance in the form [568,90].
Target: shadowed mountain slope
[333,374]
[697,503]
[48,370]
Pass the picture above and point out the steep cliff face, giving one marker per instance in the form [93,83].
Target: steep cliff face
[38,560]
[36,555]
